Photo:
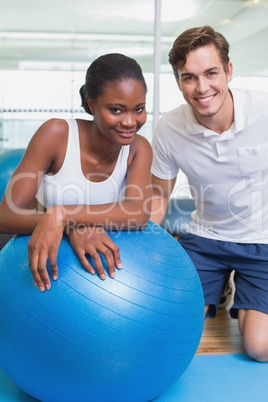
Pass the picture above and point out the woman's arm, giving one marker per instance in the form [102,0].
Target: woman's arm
[46,149]
[132,213]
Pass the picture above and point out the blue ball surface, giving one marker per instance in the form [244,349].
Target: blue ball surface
[9,160]
[123,339]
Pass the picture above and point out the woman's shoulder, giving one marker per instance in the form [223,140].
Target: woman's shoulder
[140,146]
[48,144]
[140,141]
[54,127]
[50,133]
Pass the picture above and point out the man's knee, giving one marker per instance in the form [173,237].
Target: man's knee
[253,326]
[256,347]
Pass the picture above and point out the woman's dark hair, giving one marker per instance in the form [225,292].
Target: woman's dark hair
[105,69]
[194,38]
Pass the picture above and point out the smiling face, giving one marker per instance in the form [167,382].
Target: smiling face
[204,85]
[119,112]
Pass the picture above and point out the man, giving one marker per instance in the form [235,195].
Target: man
[219,139]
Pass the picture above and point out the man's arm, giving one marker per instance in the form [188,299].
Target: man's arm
[162,190]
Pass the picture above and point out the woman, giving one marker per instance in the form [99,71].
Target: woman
[81,177]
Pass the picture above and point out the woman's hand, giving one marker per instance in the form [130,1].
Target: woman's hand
[92,241]
[44,244]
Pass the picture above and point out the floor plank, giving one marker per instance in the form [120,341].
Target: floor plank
[221,335]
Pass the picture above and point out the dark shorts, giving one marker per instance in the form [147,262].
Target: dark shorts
[215,260]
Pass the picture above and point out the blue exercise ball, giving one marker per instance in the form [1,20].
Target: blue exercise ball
[123,339]
[178,215]
[9,160]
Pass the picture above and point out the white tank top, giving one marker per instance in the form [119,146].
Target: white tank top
[69,186]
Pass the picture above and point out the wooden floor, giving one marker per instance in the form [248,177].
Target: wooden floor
[220,336]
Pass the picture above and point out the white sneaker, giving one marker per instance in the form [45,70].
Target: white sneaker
[227,295]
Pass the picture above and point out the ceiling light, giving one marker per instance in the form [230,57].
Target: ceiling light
[223,23]
[179,10]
